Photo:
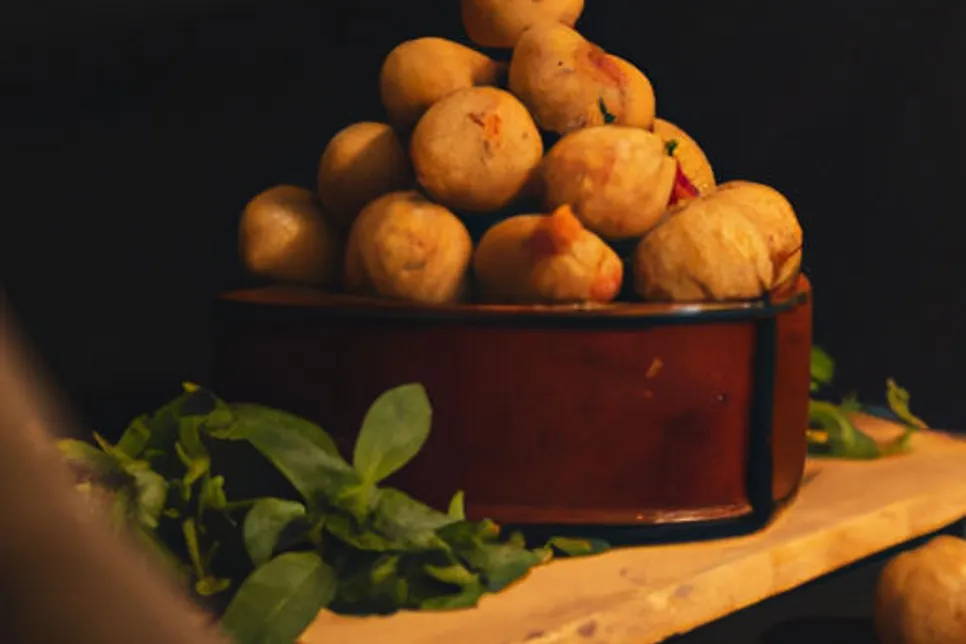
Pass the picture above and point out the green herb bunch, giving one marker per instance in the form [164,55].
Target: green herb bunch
[339,540]
[831,430]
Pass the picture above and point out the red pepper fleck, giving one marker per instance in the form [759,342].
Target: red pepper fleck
[683,188]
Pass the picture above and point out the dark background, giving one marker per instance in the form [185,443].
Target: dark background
[136,131]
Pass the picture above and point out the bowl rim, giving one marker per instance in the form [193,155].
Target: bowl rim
[339,304]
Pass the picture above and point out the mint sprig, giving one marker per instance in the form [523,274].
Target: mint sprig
[340,540]
[833,434]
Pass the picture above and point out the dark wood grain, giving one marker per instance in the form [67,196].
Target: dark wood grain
[571,417]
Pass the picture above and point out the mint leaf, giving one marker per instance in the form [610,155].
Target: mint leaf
[467,597]
[151,492]
[408,522]
[278,601]
[397,523]
[572,547]
[278,421]
[822,368]
[457,507]
[898,401]
[299,450]
[135,438]
[602,106]
[844,440]
[393,431]
[85,456]
[501,564]
[213,493]
[264,525]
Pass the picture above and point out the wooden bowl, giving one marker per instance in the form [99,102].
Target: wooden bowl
[646,418]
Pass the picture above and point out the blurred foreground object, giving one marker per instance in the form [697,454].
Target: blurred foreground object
[65,577]
[921,595]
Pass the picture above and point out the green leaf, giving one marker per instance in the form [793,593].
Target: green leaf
[135,438]
[299,450]
[151,492]
[282,422]
[119,457]
[264,525]
[384,568]
[209,585]
[397,523]
[468,597]
[393,431]
[348,530]
[191,451]
[822,368]
[86,456]
[457,507]
[189,529]
[602,106]
[844,440]
[502,564]
[467,534]
[572,547]
[213,493]
[455,574]
[900,444]
[498,564]
[407,521]
[279,600]
[898,400]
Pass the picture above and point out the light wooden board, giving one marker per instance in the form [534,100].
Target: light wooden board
[845,512]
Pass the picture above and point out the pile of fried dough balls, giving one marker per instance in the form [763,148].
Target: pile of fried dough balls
[463,149]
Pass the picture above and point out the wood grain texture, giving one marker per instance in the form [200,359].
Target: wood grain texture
[845,512]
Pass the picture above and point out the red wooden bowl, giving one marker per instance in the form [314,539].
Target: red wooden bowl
[621,415]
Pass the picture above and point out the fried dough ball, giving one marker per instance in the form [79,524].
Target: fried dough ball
[361,162]
[419,72]
[694,163]
[920,597]
[546,259]
[476,150]
[404,246]
[775,219]
[704,251]
[617,179]
[499,23]
[284,236]
[569,83]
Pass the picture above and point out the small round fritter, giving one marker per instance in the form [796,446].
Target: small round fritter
[284,236]
[500,23]
[419,72]
[546,259]
[476,150]
[775,219]
[361,162]
[569,83]
[617,179]
[705,250]
[920,597]
[406,247]
[694,163]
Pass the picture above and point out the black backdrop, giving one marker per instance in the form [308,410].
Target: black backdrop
[136,132]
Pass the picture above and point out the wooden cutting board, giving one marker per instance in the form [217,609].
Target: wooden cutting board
[845,512]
